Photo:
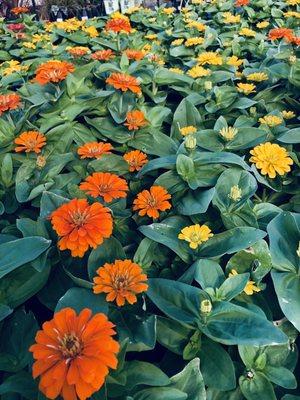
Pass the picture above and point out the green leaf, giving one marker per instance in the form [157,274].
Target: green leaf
[195,202]
[160,393]
[79,298]
[258,387]
[172,335]
[233,286]
[291,136]
[208,273]
[145,253]
[21,383]
[50,202]
[110,163]
[281,376]
[143,373]
[186,114]
[24,251]
[5,311]
[154,142]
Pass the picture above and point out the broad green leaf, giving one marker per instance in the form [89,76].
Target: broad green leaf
[160,393]
[195,202]
[257,387]
[50,202]
[5,311]
[232,286]
[208,273]
[281,376]
[22,384]
[172,335]
[143,373]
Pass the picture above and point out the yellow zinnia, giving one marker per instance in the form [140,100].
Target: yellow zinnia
[270,120]
[257,77]
[250,287]
[234,61]
[228,133]
[198,72]
[195,235]
[177,42]
[247,32]
[271,159]
[246,88]
[176,70]
[230,18]
[288,114]
[209,57]
[194,41]
[188,130]
[263,24]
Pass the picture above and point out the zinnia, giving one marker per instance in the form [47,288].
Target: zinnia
[136,55]
[30,141]
[106,185]
[103,55]
[281,33]
[81,225]
[250,287]
[240,3]
[121,280]
[94,149]
[124,82]
[195,235]
[135,159]
[135,120]
[118,25]
[19,10]
[150,202]
[271,159]
[73,354]
[78,51]
[53,71]
[9,101]
[16,27]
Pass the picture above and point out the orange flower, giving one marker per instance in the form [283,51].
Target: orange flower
[78,51]
[136,159]
[103,55]
[280,33]
[134,54]
[81,226]
[152,201]
[94,149]
[135,120]
[19,10]
[240,3]
[118,25]
[30,141]
[109,186]
[73,354]
[53,71]
[124,82]
[9,101]
[121,280]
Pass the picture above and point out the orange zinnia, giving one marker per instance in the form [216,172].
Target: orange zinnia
[73,354]
[103,55]
[9,101]
[121,280]
[124,82]
[135,159]
[81,226]
[109,186]
[152,201]
[94,149]
[78,51]
[30,141]
[118,25]
[135,120]
[134,54]
[19,10]
[53,71]
[240,3]
[281,33]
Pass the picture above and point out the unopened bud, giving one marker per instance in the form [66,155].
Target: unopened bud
[208,85]
[298,250]
[40,161]
[190,142]
[292,59]
[206,306]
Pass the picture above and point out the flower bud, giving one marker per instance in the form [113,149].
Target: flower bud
[190,142]
[40,161]
[206,306]
[208,85]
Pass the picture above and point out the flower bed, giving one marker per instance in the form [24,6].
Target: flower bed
[149,204]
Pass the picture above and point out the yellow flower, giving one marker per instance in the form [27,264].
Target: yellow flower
[234,61]
[91,31]
[292,59]
[177,42]
[209,57]
[147,48]
[187,130]
[238,74]
[190,142]
[247,32]
[235,193]
[271,159]
[176,70]
[292,2]
[246,88]
[40,38]
[197,25]
[169,10]
[270,120]
[228,133]
[194,41]
[288,114]
[132,10]
[151,36]
[230,18]
[29,45]
[291,14]
[257,77]
[198,72]
[197,1]
[69,25]
[9,67]
[205,306]
[118,15]
[250,287]
[262,24]
[195,235]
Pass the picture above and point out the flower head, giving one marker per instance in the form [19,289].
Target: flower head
[257,77]
[250,287]
[118,25]
[136,55]
[246,88]
[271,159]
[262,24]
[234,61]
[288,114]
[81,225]
[196,25]
[194,41]
[210,58]
[30,141]
[121,280]
[235,193]
[271,120]
[73,354]
[78,51]
[10,101]
[228,133]
[16,27]
[135,120]
[106,185]
[195,235]
[94,149]
[150,202]
[247,32]
[135,159]
[53,71]
[230,18]
[198,72]
[281,33]
[20,10]
[188,130]
[124,82]
[177,42]
[103,55]
[241,3]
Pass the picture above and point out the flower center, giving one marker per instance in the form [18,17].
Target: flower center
[31,143]
[120,282]
[78,218]
[70,345]
[151,201]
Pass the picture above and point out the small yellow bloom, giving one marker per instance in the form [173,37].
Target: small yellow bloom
[194,41]
[41,161]
[292,2]
[197,1]
[270,120]
[292,59]
[234,61]
[228,133]
[198,72]
[91,31]
[271,159]
[288,114]
[176,70]
[29,45]
[151,36]
[147,48]
[235,193]
[262,24]
[291,14]
[246,88]
[230,18]
[132,10]
[257,77]
[209,57]
[250,287]
[169,10]
[177,42]
[197,25]
[208,85]
[195,235]
[205,306]
[247,32]
[188,130]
